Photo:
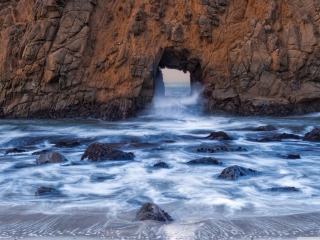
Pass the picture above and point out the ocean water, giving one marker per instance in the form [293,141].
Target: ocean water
[101,199]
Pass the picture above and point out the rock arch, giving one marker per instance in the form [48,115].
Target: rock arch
[65,58]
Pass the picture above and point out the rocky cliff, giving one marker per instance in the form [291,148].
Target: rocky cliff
[99,58]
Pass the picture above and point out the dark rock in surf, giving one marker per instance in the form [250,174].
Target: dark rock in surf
[284,189]
[14,150]
[219,136]
[161,165]
[220,148]
[205,160]
[100,177]
[293,156]
[234,172]
[314,135]
[66,144]
[279,137]
[101,151]
[205,150]
[50,158]
[45,151]
[265,128]
[151,211]
[46,191]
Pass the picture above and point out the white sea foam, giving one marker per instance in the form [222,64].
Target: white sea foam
[171,132]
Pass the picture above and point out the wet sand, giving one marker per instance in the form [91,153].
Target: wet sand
[98,226]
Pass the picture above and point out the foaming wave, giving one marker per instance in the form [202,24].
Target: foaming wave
[177,106]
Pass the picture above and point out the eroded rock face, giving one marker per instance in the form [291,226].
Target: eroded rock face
[66,58]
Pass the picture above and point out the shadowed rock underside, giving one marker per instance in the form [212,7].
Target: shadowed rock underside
[99,58]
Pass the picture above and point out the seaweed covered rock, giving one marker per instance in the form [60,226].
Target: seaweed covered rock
[234,172]
[151,211]
[102,151]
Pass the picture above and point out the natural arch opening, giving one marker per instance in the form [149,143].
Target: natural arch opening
[177,84]
[176,69]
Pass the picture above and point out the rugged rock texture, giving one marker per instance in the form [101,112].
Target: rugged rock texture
[99,58]
[161,165]
[234,172]
[102,151]
[50,158]
[205,160]
[314,135]
[219,136]
[151,211]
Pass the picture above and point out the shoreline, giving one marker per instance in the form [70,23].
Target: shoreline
[97,226]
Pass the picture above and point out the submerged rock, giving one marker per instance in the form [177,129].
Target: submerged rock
[220,148]
[161,165]
[279,137]
[67,144]
[205,160]
[100,177]
[284,189]
[293,156]
[14,150]
[45,151]
[101,151]
[314,135]
[45,191]
[219,136]
[50,158]
[234,172]
[151,211]
[265,128]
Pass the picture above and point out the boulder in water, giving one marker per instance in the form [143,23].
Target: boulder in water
[161,165]
[234,172]
[205,160]
[265,128]
[67,144]
[151,211]
[14,150]
[279,137]
[102,151]
[284,189]
[293,156]
[219,136]
[45,151]
[50,158]
[314,135]
[46,191]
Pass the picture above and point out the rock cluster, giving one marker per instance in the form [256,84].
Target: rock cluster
[67,58]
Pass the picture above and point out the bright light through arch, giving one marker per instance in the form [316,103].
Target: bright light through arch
[177,83]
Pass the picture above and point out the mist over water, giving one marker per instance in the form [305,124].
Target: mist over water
[100,199]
